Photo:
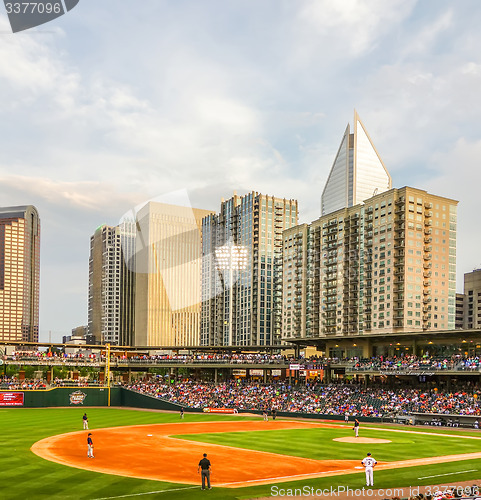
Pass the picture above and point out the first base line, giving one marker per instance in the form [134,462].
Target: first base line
[149,493]
[450,474]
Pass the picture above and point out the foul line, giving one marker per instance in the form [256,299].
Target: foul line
[149,493]
[450,474]
[424,433]
[309,475]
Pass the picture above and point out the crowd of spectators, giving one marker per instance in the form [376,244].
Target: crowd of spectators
[404,363]
[332,399]
[14,384]
[411,362]
[447,493]
[45,356]
[29,384]
[252,358]
[119,357]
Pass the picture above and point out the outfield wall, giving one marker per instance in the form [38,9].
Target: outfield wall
[320,416]
[120,396]
[68,396]
[138,400]
[85,396]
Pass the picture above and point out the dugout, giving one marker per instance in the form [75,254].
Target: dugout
[467,421]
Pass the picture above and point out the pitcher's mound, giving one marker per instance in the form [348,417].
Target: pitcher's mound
[361,440]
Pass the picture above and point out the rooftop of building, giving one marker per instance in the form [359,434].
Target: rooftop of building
[16,211]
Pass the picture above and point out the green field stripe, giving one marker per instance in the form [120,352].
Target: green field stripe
[317,443]
[24,475]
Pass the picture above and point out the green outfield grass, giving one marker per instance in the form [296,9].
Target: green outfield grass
[26,476]
[317,443]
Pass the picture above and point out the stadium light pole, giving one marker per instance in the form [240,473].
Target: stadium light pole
[107,371]
[231,258]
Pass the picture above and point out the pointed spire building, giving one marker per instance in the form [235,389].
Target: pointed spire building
[358,173]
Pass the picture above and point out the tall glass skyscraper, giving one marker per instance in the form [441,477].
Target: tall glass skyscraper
[357,173]
[242,270]
[112,284]
[19,273]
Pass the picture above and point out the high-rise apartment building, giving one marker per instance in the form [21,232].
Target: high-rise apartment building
[472,299]
[386,266]
[19,273]
[242,270]
[294,284]
[112,284]
[168,277]
[459,321]
[358,173]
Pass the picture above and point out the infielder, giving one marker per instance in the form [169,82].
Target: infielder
[369,464]
[346,417]
[356,427]
[90,446]
[85,421]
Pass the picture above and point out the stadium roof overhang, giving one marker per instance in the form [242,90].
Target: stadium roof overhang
[449,336]
[198,348]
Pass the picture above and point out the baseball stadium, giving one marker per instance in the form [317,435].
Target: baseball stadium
[271,425]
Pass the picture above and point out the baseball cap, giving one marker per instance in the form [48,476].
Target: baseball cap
[368,453]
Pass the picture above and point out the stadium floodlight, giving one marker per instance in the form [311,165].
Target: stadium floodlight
[231,258]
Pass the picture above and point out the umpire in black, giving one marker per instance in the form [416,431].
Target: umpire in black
[205,469]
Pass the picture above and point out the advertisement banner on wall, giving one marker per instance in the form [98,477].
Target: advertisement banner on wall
[11,398]
[256,373]
[239,373]
[220,410]
[276,373]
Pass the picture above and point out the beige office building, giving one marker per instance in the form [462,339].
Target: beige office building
[168,275]
[19,273]
[386,266]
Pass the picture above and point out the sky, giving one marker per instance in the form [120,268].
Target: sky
[120,101]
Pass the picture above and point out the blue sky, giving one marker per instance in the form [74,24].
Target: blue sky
[123,100]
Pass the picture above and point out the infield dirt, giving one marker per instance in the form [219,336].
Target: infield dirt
[150,452]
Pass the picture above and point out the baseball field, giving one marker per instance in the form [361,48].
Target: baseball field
[144,454]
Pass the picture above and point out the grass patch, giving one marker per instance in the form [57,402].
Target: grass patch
[317,443]
[26,476]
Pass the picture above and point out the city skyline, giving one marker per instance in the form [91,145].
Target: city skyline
[229,97]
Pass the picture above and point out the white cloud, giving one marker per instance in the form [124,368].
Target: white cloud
[422,42]
[351,27]
[89,196]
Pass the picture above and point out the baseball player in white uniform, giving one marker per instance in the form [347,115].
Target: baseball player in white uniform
[369,464]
